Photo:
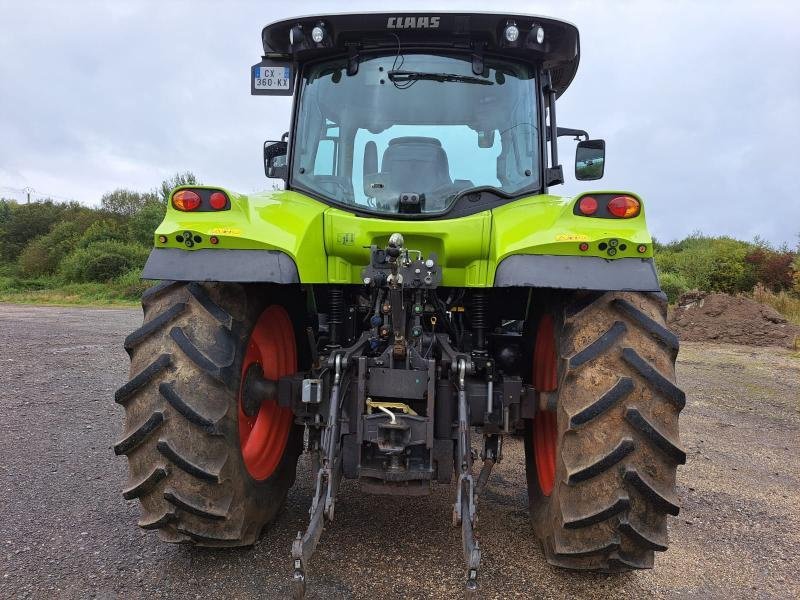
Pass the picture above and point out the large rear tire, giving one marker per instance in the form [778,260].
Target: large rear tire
[184,433]
[601,469]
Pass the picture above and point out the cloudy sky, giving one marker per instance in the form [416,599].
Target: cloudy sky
[699,102]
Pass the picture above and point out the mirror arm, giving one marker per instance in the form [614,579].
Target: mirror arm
[576,133]
[555,174]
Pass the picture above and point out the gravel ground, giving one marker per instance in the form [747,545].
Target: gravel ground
[66,532]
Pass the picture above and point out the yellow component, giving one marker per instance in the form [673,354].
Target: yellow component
[226,231]
[405,408]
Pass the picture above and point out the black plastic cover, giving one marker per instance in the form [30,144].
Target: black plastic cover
[240,266]
[578,273]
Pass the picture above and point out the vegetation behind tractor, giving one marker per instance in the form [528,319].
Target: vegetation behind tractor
[414,291]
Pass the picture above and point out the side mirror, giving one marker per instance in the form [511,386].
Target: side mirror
[275,165]
[590,159]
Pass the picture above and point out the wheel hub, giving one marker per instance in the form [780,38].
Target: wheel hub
[263,425]
[545,423]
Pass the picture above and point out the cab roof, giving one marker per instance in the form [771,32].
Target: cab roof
[476,32]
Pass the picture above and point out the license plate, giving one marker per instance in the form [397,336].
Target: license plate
[272,78]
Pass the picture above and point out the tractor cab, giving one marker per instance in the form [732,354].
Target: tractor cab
[418,116]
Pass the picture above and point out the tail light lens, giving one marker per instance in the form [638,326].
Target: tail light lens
[623,207]
[587,205]
[218,201]
[186,200]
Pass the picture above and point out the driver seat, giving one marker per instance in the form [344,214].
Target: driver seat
[415,164]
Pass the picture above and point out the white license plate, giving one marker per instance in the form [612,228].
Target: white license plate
[272,78]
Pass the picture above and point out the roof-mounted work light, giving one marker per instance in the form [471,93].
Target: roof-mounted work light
[318,33]
[511,32]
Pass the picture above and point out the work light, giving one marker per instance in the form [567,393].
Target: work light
[318,34]
[511,32]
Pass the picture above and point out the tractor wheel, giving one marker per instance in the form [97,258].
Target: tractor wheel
[204,471]
[601,467]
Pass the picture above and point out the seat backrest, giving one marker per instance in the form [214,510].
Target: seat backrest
[414,164]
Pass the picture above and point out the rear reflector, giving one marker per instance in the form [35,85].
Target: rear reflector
[587,205]
[185,200]
[623,207]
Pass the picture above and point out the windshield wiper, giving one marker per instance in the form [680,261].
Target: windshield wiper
[403,76]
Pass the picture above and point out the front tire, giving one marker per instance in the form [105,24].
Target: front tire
[613,437]
[182,434]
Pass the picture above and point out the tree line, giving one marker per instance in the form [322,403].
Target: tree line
[68,242]
[725,264]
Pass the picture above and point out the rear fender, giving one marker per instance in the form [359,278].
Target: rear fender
[273,237]
[540,242]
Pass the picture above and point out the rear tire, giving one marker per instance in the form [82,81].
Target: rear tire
[181,433]
[616,435]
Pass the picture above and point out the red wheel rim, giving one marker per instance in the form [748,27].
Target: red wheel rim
[263,436]
[545,430]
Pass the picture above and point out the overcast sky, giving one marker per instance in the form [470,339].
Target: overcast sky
[699,102]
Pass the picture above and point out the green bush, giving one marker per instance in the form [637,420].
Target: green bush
[103,230]
[710,264]
[103,261]
[130,285]
[42,255]
[25,222]
[142,225]
[673,285]
[728,272]
[126,203]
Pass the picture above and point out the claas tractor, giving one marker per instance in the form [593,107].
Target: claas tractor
[412,295]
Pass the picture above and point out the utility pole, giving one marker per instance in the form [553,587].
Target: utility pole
[28,190]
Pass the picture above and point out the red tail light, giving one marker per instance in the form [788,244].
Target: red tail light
[587,205]
[623,207]
[218,201]
[185,200]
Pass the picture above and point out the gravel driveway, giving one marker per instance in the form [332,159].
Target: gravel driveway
[65,530]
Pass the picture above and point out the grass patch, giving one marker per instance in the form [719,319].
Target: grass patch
[784,303]
[123,291]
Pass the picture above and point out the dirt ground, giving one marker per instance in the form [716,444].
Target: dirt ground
[65,530]
[709,317]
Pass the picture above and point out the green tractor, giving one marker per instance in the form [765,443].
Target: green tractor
[413,296]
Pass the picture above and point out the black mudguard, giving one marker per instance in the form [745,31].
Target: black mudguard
[577,273]
[240,266]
